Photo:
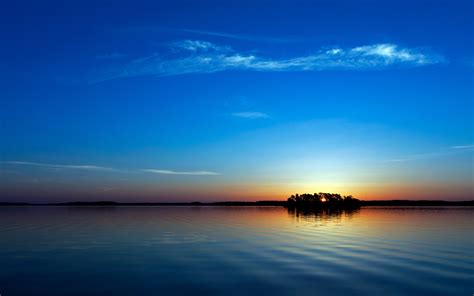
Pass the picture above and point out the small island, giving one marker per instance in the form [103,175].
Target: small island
[322,200]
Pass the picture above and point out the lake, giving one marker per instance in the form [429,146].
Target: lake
[236,251]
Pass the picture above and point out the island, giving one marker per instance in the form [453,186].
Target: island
[323,200]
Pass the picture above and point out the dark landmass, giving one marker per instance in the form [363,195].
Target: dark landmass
[14,204]
[113,203]
[431,203]
[196,203]
[322,200]
[418,203]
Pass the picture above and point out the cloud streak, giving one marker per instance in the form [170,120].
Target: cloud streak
[199,57]
[169,172]
[463,147]
[109,169]
[62,166]
[238,36]
[251,115]
[446,152]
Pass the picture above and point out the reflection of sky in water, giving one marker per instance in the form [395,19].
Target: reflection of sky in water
[235,250]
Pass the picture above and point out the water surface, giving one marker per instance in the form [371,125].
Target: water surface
[235,251]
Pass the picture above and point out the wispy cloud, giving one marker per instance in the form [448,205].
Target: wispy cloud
[62,166]
[109,169]
[419,156]
[197,45]
[204,33]
[463,147]
[239,36]
[197,56]
[444,152]
[251,115]
[169,172]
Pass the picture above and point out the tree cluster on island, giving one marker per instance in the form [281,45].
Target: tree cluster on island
[322,200]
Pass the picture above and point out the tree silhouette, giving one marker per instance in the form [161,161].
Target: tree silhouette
[322,199]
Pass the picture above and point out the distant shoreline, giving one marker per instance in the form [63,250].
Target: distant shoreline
[431,203]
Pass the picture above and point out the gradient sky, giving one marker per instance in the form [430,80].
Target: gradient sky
[236,100]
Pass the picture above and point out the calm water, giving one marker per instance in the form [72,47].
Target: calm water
[235,251]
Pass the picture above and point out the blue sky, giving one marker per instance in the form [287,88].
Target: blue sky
[185,100]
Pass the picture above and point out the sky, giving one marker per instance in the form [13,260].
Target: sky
[165,101]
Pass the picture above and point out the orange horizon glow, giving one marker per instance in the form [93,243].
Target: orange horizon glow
[248,192]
